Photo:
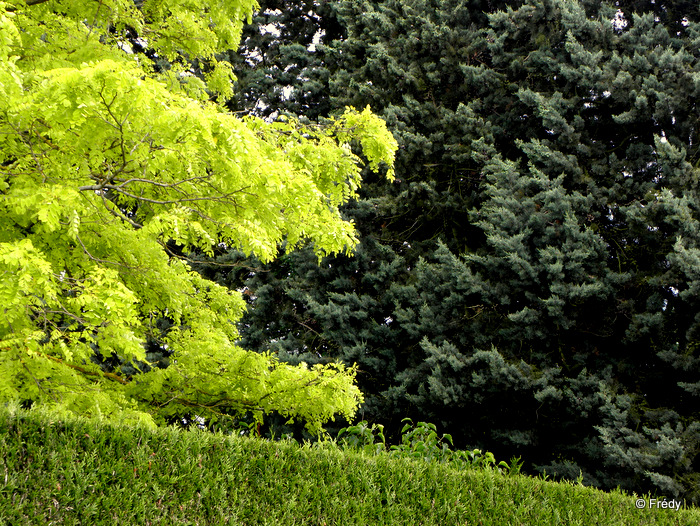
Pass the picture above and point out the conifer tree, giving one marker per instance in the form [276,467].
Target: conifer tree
[280,66]
[397,222]
[530,281]
[574,312]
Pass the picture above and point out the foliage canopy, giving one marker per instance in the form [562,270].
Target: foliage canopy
[113,168]
[530,283]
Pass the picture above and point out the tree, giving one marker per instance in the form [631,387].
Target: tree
[419,93]
[114,167]
[569,322]
[280,65]
[554,151]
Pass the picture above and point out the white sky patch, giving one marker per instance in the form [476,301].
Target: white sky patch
[128,47]
[198,420]
[125,47]
[272,29]
[619,22]
[252,58]
[316,40]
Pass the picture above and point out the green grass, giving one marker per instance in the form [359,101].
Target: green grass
[78,472]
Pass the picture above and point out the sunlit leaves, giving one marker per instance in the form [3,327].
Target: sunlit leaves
[110,174]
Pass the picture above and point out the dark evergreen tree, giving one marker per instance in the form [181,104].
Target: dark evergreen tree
[397,222]
[531,281]
[574,314]
[279,65]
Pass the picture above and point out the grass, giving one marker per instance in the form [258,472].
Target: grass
[83,472]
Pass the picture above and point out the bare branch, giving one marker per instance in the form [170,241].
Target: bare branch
[315,332]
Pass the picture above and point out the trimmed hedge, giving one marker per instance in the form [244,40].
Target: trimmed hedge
[57,471]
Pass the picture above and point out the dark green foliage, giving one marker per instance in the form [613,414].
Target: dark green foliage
[278,66]
[582,282]
[78,472]
[531,281]
[407,60]
[673,14]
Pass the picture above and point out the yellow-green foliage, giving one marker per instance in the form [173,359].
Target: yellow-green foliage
[80,472]
[103,162]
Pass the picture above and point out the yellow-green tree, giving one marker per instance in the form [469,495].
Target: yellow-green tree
[111,170]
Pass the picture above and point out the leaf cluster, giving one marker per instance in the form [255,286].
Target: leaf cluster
[113,171]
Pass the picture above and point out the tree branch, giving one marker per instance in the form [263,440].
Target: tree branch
[119,188]
[98,260]
[111,376]
[209,263]
[117,213]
